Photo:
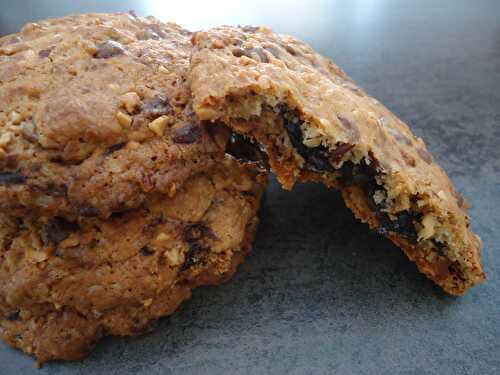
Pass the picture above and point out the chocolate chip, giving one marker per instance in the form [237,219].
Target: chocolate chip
[44,53]
[11,178]
[425,155]
[275,51]
[89,211]
[317,158]
[403,225]
[195,232]
[357,174]
[289,49]
[194,255]
[242,149]
[58,229]
[262,55]
[157,106]
[238,52]
[187,133]
[115,147]
[440,248]
[109,49]
[340,150]
[12,316]
[250,29]
[146,251]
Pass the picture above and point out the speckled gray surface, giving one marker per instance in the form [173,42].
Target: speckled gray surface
[321,294]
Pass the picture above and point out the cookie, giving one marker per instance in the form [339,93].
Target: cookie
[316,124]
[95,114]
[65,284]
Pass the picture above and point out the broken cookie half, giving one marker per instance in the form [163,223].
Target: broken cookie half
[315,123]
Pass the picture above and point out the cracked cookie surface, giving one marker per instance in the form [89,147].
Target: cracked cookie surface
[315,123]
[65,284]
[95,114]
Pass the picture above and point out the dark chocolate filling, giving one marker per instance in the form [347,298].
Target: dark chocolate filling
[243,150]
[320,159]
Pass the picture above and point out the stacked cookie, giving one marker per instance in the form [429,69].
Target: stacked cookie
[115,202]
[133,158]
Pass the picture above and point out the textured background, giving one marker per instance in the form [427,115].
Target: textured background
[321,294]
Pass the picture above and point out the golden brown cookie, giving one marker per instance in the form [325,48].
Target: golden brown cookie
[95,115]
[65,284]
[315,123]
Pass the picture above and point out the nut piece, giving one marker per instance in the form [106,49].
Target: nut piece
[147,302]
[428,223]
[130,101]
[174,256]
[124,119]
[163,237]
[5,139]
[15,117]
[133,145]
[158,126]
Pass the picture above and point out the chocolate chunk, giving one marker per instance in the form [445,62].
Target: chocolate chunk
[195,232]
[357,174]
[289,49]
[340,150]
[44,53]
[403,225]
[109,49]
[440,248]
[187,133]
[89,211]
[194,255]
[425,155]
[157,106]
[146,251]
[238,52]
[317,158]
[242,149]
[363,175]
[275,51]
[114,148]
[11,178]
[13,315]
[58,229]
[250,29]
[262,55]
[55,190]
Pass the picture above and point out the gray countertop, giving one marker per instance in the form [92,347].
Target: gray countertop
[321,294]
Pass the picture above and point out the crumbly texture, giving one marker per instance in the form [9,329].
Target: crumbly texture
[315,123]
[65,284]
[95,114]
